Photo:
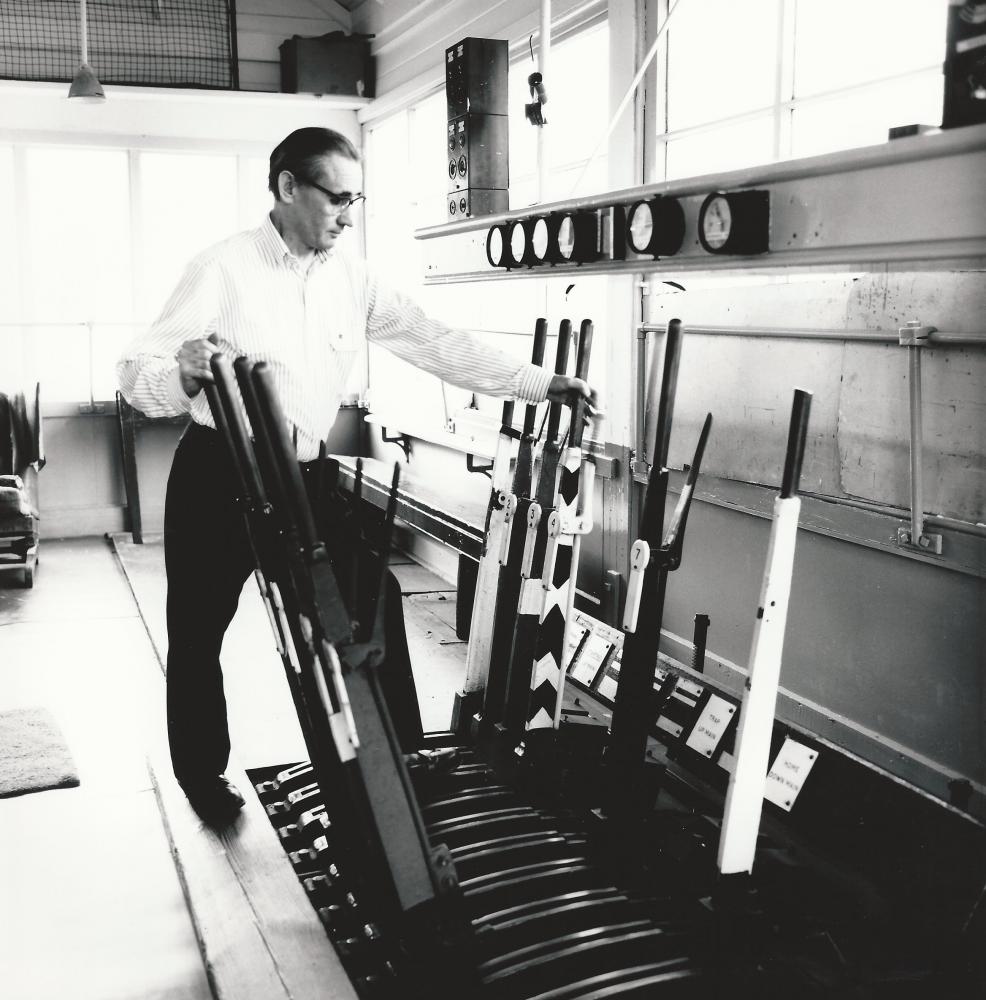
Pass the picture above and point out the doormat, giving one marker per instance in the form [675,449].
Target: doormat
[33,754]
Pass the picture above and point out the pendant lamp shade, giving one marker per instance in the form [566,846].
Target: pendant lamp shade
[85,85]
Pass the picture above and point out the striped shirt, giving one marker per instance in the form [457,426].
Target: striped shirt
[308,325]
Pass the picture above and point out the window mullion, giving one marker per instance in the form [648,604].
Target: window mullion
[784,85]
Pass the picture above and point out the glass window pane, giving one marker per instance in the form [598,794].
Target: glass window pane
[839,43]
[108,342]
[17,368]
[577,115]
[13,361]
[77,245]
[428,161]
[864,118]
[187,202]
[721,60]
[63,362]
[255,198]
[578,95]
[726,148]
[390,218]
[9,289]
[77,260]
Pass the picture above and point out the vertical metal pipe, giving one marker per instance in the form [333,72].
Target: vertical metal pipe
[544,52]
[917,481]
[83,32]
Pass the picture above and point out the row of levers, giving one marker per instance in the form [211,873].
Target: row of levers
[543,847]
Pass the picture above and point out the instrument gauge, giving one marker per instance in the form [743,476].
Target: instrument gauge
[566,237]
[496,246]
[640,226]
[735,222]
[539,240]
[518,243]
[573,237]
[717,222]
[656,226]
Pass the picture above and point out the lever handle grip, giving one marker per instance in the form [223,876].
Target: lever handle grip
[561,366]
[551,549]
[533,520]
[639,559]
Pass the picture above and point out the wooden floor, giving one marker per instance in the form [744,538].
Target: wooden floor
[91,901]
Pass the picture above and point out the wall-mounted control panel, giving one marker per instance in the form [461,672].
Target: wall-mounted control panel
[477,140]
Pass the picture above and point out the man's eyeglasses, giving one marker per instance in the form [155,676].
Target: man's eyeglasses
[339,202]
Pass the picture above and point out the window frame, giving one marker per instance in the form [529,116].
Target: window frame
[24,318]
[781,110]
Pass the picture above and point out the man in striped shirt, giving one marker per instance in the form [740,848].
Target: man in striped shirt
[280,294]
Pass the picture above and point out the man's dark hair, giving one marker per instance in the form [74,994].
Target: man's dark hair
[301,151]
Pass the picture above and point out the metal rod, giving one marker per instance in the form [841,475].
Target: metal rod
[544,53]
[83,32]
[872,336]
[917,438]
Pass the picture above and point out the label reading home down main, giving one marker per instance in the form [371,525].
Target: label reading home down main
[788,773]
[712,723]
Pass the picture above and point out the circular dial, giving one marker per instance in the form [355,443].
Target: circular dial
[656,226]
[495,246]
[566,237]
[717,221]
[518,242]
[539,239]
[641,226]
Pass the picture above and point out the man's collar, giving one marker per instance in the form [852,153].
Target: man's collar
[279,249]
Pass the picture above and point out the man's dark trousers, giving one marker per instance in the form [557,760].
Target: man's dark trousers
[208,559]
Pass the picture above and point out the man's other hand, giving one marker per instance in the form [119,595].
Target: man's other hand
[193,363]
[567,389]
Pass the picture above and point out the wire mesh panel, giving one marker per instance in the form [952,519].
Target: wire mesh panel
[166,43]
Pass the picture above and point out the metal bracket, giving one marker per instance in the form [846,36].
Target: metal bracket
[925,542]
[913,334]
[401,440]
[473,466]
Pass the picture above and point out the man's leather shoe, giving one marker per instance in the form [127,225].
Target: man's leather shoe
[216,800]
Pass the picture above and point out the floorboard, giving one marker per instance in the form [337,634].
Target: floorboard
[90,905]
